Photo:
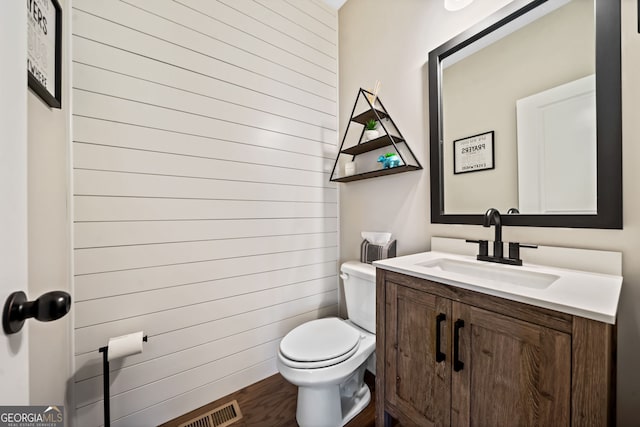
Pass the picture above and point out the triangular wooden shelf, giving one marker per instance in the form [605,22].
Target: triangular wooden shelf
[374,173]
[374,111]
[373,144]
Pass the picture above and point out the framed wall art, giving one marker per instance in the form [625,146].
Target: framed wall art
[44,50]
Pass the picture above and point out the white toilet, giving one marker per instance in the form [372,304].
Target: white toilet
[327,358]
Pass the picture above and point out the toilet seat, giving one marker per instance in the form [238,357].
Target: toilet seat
[319,343]
[319,363]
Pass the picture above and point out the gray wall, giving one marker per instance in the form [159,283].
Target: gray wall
[391,43]
[203,137]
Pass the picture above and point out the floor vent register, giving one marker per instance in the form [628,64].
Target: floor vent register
[221,416]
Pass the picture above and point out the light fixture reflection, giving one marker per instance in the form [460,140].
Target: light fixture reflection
[453,5]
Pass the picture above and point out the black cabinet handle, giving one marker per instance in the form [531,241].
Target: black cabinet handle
[457,363]
[440,356]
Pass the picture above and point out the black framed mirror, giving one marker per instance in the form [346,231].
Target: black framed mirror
[583,170]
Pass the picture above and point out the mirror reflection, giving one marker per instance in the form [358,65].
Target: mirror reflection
[519,116]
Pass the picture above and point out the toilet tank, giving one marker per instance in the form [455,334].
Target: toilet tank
[359,280]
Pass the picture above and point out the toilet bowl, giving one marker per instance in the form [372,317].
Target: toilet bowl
[327,358]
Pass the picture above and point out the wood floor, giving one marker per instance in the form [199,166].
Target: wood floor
[272,403]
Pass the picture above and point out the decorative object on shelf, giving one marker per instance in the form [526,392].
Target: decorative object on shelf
[372,95]
[44,57]
[370,130]
[473,153]
[389,160]
[401,159]
[349,168]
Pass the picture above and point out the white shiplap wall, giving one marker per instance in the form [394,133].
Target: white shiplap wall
[204,133]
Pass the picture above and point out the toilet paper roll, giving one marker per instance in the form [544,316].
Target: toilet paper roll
[125,345]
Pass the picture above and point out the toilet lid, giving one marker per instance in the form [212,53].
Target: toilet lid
[318,340]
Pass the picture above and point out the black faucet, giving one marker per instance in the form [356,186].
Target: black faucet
[492,215]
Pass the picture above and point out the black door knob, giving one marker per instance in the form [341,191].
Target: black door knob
[50,306]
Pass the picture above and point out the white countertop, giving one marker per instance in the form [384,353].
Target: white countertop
[590,295]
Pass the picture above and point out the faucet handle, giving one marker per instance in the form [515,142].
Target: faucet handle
[514,250]
[483,246]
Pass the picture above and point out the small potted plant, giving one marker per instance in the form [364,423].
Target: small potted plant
[370,130]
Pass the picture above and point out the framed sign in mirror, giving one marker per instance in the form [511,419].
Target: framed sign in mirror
[44,56]
[473,153]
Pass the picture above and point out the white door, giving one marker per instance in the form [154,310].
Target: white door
[557,171]
[14,369]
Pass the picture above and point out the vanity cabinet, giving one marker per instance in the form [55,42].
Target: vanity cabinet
[450,356]
[416,382]
[511,372]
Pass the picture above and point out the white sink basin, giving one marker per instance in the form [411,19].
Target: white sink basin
[494,272]
[590,295]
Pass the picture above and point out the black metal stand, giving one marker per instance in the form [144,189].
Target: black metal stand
[105,386]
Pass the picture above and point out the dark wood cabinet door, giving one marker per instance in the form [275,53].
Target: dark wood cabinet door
[511,372]
[417,372]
